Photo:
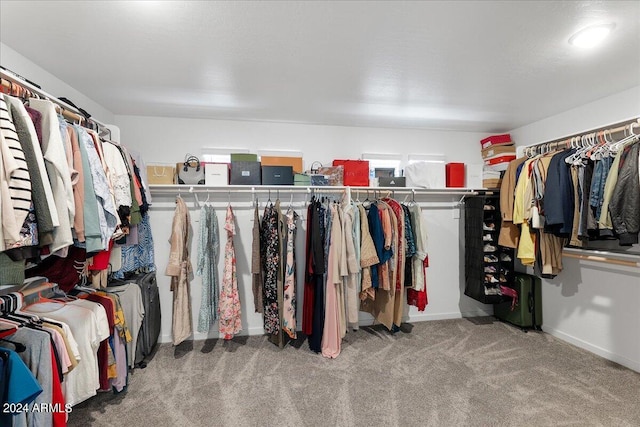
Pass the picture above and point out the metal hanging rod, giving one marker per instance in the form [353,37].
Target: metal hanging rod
[565,142]
[172,189]
[68,111]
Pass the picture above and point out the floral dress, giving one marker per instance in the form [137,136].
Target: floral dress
[289,309]
[229,319]
[270,251]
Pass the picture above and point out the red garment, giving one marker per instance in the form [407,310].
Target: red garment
[60,415]
[66,272]
[309,282]
[419,298]
[103,350]
[101,259]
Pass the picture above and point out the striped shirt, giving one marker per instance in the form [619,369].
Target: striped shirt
[19,181]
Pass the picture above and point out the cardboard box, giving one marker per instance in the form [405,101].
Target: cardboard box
[493,161]
[294,162]
[496,140]
[425,175]
[277,175]
[302,179]
[245,173]
[394,181]
[216,174]
[244,157]
[498,150]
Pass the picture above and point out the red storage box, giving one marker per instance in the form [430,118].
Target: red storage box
[499,159]
[495,140]
[454,174]
[356,172]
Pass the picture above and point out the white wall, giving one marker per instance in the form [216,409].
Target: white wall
[49,83]
[167,140]
[592,305]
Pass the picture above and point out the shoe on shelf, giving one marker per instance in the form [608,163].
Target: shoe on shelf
[492,291]
[503,279]
[489,208]
[487,238]
[490,258]
[488,227]
[488,278]
[490,269]
[489,248]
[505,257]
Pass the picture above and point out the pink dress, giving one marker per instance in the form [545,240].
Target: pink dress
[331,334]
[229,310]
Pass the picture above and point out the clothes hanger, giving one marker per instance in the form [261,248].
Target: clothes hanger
[19,347]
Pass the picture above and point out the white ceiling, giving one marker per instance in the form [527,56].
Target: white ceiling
[480,65]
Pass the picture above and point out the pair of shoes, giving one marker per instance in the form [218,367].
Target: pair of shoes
[505,257]
[488,227]
[490,258]
[492,291]
[489,208]
[489,248]
[488,278]
[487,238]
[490,269]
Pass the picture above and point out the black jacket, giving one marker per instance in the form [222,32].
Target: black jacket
[624,206]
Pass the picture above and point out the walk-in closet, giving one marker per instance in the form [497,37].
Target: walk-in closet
[348,213]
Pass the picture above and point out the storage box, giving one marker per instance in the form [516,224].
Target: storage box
[277,175]
[216,174]
[356,172]
[425,175]
[302,179]
[318,180]
[499,162]
[334,174]
[498,150]
[161,174]
[294,162]
[244,157]
[496,140]
[455,175]
[491,183]
[394,181]
[245,173]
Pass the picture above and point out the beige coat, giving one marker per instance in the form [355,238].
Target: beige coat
[179,268]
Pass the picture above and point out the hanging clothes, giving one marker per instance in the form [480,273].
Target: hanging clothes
[289,306]
[208,253]
[332,331]
[256,264]
[230,321]
[179,268]
[270,251]
[313,319]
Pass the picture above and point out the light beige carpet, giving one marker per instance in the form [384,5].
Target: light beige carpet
[462,372]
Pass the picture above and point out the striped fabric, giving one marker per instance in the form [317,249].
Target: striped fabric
[19,182]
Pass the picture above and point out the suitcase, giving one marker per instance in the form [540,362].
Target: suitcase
[150,329]
[528,312]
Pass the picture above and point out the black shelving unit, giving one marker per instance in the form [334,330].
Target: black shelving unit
[487,264]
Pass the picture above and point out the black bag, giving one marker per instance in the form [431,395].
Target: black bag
[152,322]
[191,172]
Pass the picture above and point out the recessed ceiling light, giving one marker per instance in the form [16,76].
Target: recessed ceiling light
[591,36]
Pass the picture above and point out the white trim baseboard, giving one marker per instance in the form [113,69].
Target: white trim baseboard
[622,360]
